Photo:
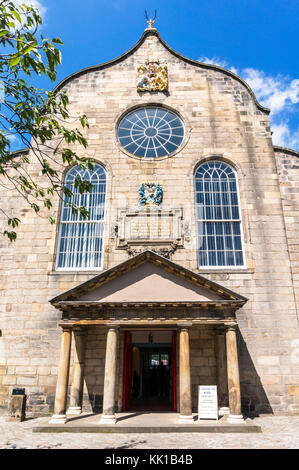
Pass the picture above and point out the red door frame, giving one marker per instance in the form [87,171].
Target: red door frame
[127,371]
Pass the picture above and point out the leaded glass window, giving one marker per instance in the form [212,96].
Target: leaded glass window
[80,243]
[219,232]
[151,132]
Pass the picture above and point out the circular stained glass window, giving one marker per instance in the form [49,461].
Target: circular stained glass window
[151,132]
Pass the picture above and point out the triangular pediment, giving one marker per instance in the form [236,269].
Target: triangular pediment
[148,278]
[149,283]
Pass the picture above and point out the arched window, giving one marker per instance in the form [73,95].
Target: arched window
[80,243]
[219,232]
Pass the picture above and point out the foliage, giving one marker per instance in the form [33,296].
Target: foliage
[39,119]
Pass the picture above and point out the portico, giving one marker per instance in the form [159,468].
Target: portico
[150,294]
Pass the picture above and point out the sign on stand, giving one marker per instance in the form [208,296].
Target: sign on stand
[207,402]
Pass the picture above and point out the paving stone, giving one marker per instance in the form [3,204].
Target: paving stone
[278,432]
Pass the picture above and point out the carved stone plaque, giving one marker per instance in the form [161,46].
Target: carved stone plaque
[154,229]
[152,76]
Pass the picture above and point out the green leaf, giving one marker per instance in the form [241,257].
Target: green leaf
[14,60]
[57,41]
[28,49]
[35,207]
[11,235]
[3,32]
[16,15]
[14,222]
[37,117]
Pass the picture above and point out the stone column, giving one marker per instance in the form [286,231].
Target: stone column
[234,393]
[108,416]
[120,372]
[75,407]
[59,416]
[221,372]
[185,378]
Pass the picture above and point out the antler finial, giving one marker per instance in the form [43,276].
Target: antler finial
[150,22]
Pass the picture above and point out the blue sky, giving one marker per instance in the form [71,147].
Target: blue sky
[257,39]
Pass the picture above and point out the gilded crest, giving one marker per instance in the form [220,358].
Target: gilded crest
[152,76]
[150,194]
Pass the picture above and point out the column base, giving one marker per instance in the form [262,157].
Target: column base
[108,419]
[58,419]
[74,410]
[186,419]
[235,419]
[223,410]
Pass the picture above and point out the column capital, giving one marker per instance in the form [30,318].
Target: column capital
[66,327]
[231,327]
[111,326]
[184,326]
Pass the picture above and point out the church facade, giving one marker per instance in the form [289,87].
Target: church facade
[186,271]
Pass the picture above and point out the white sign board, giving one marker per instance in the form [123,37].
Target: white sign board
[207,402]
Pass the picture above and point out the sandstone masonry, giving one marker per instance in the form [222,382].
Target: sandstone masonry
[223,121]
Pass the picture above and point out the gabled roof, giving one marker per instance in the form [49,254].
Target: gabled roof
[148,278]
[176,54]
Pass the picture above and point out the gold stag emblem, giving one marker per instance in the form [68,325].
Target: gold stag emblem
[150,22]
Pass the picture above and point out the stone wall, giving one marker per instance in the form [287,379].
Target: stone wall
[222,121]
[94,368]
[288,172]
[202,360]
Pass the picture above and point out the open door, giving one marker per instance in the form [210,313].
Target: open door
[157,391]
[127,371]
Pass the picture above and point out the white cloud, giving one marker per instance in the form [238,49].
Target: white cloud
[279,93]
[33,3]
[275,93]
[283,137]
[12,138]
[214,61]
[219,62]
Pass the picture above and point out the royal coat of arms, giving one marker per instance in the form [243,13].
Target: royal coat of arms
[150,194]
[152,76]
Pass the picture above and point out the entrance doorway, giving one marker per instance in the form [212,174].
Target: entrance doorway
[149,371]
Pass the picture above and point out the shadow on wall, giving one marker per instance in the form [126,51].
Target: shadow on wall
[254,398]
[92,402]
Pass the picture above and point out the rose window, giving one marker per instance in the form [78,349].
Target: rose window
[151,132]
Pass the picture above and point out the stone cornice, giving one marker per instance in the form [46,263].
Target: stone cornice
[64,305]
[17,153]
[285,150]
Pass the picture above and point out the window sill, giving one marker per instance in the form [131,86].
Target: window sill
[225,271]
[75,272]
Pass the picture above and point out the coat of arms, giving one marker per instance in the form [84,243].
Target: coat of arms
[150,194]
[152,76]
